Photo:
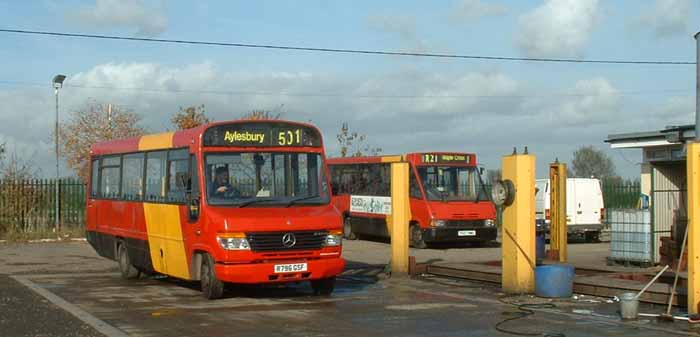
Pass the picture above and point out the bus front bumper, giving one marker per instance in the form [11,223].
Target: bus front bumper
[459,234]
[265,272]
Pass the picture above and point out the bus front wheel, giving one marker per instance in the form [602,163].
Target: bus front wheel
[212,287]
[348,234]
[323,286]
[417,237]
[127,270]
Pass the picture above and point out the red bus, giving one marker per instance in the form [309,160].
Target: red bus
[238,201]
[448,200]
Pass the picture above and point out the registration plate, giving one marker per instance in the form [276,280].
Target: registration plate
[466,233]
[290,268]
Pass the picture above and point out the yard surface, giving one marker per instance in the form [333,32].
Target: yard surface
[65,289]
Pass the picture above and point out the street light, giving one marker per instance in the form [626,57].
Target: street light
[57,84]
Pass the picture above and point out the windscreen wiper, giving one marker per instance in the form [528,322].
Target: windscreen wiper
[254,201]
[294,201]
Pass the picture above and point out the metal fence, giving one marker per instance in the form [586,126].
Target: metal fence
[29,205]
[622,194]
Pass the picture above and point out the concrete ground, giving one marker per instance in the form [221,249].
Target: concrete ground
[65,289]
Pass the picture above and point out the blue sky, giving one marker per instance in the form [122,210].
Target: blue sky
[485,107]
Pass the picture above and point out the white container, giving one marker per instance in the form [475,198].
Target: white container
[629,305]
[631,235]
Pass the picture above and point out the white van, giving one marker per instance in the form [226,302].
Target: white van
[584,208]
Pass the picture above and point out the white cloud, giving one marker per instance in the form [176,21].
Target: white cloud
[472,10]
[399,25]
[667,17]
[131,14]
[557,28]
[402,111]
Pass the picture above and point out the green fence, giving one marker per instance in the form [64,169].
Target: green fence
[622,195]
[29,205]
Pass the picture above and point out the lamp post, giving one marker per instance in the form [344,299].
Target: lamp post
[57,84]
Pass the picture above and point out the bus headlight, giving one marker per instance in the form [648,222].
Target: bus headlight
[489,223]
[334,239]
[233,241]
[438,223]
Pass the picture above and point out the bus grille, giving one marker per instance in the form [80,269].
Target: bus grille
[271,241]
[465,223]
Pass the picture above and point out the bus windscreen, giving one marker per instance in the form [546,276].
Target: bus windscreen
[452,183]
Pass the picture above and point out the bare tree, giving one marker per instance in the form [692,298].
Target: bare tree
[19,199]
[91,124]
[590,162]
[189,117]
[261,115]
[353,144]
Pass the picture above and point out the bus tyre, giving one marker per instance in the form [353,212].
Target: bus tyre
[324,286]
[127,270]
[347,230]
[212,287]
[416,237]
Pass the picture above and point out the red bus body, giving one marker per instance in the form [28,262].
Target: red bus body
[173,236]
[437,220]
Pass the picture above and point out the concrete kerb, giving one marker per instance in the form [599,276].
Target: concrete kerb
[49,240]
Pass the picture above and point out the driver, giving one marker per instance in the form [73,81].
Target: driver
[221,187]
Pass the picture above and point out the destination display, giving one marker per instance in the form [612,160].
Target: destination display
[261,135]
[439,158]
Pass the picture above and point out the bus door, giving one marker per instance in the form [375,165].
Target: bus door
[94,189]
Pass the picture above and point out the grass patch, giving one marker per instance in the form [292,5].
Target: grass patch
[63,234]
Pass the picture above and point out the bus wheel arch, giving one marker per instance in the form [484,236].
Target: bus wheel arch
[348,233]
[212,287]
[126,268]
[416,236]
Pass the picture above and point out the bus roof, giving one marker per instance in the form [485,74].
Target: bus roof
[176,139]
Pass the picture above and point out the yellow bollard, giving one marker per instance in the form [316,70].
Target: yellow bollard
[693,172]
[399,219]
[557,206]
[518,247]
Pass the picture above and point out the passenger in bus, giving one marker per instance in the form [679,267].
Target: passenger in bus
[221,186]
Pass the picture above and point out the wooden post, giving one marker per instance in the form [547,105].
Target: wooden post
[400,217]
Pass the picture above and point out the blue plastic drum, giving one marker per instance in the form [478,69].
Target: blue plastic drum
[555,280]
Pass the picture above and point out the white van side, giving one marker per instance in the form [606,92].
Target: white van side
[584,205]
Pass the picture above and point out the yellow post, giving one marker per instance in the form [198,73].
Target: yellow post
[400,217]
[557,206]
[518,247]
[693,171]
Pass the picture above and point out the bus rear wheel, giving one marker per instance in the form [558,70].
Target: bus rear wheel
[212,287]
[127,270]
[324,286]
[348,234]
[416,237]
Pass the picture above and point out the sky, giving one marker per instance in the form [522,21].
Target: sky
[401,104]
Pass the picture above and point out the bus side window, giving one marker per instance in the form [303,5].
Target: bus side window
[95,178]
[110,172]
[194,190]
[155,176]
[413,185]
[178,171]
[132,179]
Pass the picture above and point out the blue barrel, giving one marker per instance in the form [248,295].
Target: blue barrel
[556,280]
[540,247]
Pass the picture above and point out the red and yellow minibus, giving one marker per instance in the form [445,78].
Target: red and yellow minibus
[448,200]
[239,201]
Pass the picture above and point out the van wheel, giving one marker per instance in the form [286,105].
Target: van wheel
[127,270]
[212,287]
[324,286]
[347,230]
[416,237]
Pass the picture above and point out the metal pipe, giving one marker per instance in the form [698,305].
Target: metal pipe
[697,86]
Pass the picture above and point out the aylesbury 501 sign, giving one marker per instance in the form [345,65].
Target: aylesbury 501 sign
[370,204]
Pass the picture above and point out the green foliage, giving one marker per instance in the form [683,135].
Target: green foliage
[590,162]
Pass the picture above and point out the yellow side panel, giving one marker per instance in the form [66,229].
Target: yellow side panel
[165,240]
[693,171]
[518,247]
[391,159]
[157,141]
